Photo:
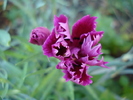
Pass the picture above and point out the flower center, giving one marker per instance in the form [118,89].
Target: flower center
[61,51]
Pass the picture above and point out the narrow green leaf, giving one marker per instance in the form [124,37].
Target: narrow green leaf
[26,10]
[127,71]
[24,72]
[3,73]
[107,95]
[42,71]
[17,97]
[5,90]
[49,87]
[70,90]
[14,54]
[11,69]
[2,54]
[47,80]
[124,81]
[4,38]
[29,58]
[5,81]
[102,70]
[4,4]
[103,78]
[40,4]
[92,92]
[2,80]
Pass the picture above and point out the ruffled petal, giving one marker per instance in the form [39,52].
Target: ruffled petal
[47,46]
[102,63]
[93,61]
[64,64]
[61,26]
[78,74]
[93,36]
[86,46]
[84,25]
[96,36]
[88,49]
[61,65]
[85,79]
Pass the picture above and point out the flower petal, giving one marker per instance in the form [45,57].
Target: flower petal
[84,25]
[74,52]
[94,61]
[87,48]
[61,26]
[78,74]
[96,36]
[85,79]
[64,64]
[47,46]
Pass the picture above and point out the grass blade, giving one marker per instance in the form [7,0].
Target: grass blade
[70,90]
[92,92]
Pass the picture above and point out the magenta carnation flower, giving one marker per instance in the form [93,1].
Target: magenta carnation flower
[39,35]
[77,51]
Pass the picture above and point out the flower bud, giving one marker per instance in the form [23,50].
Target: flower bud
[39,35]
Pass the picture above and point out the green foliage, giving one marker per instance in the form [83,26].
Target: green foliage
[5,4]
[26,74]
[4,38]
[124,81]
[111,41]
[106,95]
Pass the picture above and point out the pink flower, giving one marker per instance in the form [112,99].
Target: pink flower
[77,51]
[39,35]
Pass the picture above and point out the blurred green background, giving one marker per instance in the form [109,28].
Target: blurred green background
[26,74]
